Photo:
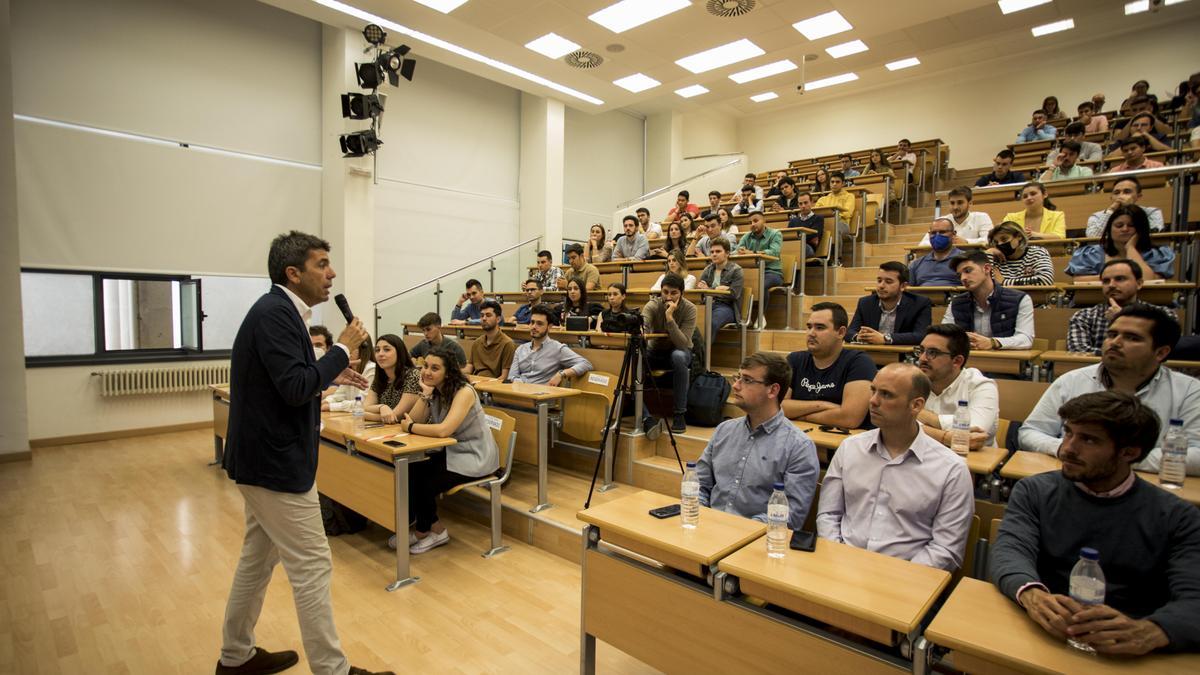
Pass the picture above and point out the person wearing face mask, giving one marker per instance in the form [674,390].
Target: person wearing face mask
[970,227]
[933,268]
[1016,261]
[1126,235]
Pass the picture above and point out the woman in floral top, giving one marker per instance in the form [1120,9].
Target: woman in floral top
[397,382]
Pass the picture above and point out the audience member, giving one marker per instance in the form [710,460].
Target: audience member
[581,270]
[806,217]
[671,313]
[994,317]
[1016,262]
[820,180]
[1088,151]
[1126,235]
[727,224]
[722,275]
[342,397]
[1133,155]
[894,490]
[878,164]
[746,202]
[687,225]
[597,249]
[544,360]
[648,228]
[616,297]
[1064,165]
[492,352]
[466,310]
[842,200]
[891,315]
[714,203]
[431,327]
[448,407]
[1002,173]
[933,268]
[575,303]
[682,203]
[1050,107]
[548,274]
[1098,102]
[847,169]
[1091,119]
[942,356]
[830,383]
[1138,93]
[766,240]
[712,228]
[1144,125]
[970,227]
[740,482]
[1141,105]
[533,297]
[748,181]
[632,246]
[1121,280]
[1038,129]
[1148,539]
[1040,218]
[904,156]
[1127,190]
[397,382]
[785,198]
[677,239]
[676,264]
[776,180]
[321,338]
[1137,342]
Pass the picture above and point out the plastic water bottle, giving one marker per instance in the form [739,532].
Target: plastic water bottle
[357,411]
[689,497]
[1087,586]
[960,437]
[1174,457]
[777,522]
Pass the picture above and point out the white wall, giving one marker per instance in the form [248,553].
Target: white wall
[603,168]
[975,111]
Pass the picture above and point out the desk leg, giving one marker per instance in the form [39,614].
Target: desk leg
[218,451]
[708,331]
[543,422]
[761,323]
[587,643]
[403,574]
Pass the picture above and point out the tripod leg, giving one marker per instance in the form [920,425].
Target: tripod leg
[611,424]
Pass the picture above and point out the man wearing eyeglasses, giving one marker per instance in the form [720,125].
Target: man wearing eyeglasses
[747,455]
[942,356]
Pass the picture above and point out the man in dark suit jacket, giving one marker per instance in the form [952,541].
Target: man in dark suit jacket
[271,452]
[891,315]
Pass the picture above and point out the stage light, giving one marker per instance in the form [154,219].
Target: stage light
[374,34]
[359,143]
[370,75]
[396,65]
[361,106]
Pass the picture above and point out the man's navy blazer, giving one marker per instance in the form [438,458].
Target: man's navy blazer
[275,383]
[912,318]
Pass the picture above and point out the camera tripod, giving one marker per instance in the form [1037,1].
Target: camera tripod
[635,370]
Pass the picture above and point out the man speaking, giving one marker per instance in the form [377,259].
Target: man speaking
[271,452]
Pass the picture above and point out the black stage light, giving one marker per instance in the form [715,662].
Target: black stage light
[370,75]
[396,65]
[361,106]
[374,34]
[359,143]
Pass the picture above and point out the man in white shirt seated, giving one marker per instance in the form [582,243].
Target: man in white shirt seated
[994,316]
[970,227]
[1124,191]
[903,155]
[894,490]
[942,356]
[651,230]
[749,181]
[747,203]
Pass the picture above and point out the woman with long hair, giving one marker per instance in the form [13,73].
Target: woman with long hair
[576,304]
[342,398]
[1040,219]
[1050,107]
[1017,262]
[447,407]
[615,297]
[1126,235]
[726,218]
[878,164]
[677,264]
[597,248]
[820,181]
[397,382]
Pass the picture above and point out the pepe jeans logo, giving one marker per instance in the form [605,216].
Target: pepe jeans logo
[816,387]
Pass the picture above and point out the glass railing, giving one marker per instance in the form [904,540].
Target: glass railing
[502,271]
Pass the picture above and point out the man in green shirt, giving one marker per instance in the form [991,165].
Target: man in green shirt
[766,240]
[1066,165]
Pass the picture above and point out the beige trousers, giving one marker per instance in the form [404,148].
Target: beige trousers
[284,527]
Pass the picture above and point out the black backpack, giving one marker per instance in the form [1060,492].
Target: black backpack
[706,399]
[339,519]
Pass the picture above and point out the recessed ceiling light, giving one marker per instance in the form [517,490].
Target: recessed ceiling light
[764,97]
[694,90]
[1174,2]
[721,56]
[443,6]
[1010,6]
[904,63]
[433,41]
[1056,27]
[763,71]
[637,82]
[552,45]
[823,25]
[1137,7]
[632,13]
[846,49]
[830,81]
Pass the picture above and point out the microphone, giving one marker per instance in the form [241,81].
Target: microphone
[344,305]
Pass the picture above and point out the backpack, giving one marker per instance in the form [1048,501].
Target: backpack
[339,519]
[706,399]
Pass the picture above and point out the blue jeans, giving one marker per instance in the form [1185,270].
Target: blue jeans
[773,279]
[679,362]
[721,315]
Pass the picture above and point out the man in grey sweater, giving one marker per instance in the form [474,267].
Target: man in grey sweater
[1148,539]
[675,315]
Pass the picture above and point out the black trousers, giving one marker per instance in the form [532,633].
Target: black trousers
[426,480]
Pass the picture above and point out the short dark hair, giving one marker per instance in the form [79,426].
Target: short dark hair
[978,257]
[778,370]
[787,180]
[642,209]
[1139,116]
[1140,98]
[840,319]
[904,140]
[474,282]
[837,174]
[577,249]
[322,331]
[898,267]
[1005,154]
[714,193]
[956,336]
[753,212]
[492,305]
[545,254]
[712,215]
[751,175]
[1039,111]
[291,250]
[1137,140]
[1135,268]
[1129,179]
[1128,422]
[685,194]
[1072,146]
[545,310]
[626,219]
[673,280]
[429,319]
[962,191]
[845,155]
[1075,128]
[1164,333]
[721,242]
[531,280]
[748,188]
[1086,104]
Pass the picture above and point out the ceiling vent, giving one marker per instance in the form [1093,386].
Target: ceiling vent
[581,58]
[730,8]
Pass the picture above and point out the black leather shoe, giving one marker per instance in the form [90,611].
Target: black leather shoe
[262,663]
[363,671]
[679,424]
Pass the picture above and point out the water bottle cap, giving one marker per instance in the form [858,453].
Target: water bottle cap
[1176,423]
[357,398]
[1088,553]
[778,486]
[691,465]
[962,403]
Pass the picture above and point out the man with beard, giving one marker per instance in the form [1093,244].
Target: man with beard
[1136,343]
[830,384]
[1002,173]
[933,268]
[1147,538]
[891,315]
[1121,280]
[942,356]
[970,227]
[544,360]
[492,352]
[995,317]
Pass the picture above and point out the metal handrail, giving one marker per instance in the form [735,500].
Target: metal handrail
[1171,169]
[456,271]
[672,186]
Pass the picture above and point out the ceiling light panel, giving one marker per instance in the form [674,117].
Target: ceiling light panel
[823,25]
[694,90]
[717,57]
[764,97]
[637,82]
[632,13]
[763,71]
[904,63]
[830,81]
[846,49]
[443,6]
[1056,27]
[552,45]
[1137,7]
[1010,6]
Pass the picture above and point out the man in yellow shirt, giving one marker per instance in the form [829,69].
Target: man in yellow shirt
[843,201]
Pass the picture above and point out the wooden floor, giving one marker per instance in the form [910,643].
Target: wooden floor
[116,557]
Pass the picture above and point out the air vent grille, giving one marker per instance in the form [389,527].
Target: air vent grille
[582,58]
[730,8]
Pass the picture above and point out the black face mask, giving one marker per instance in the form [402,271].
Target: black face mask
[1007,249]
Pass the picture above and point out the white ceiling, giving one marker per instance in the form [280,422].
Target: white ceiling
[944,34]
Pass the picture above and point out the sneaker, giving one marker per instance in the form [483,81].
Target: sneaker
[434,540]
[354,670]
[651,426]
[412,539]
[262,663]
[678,423]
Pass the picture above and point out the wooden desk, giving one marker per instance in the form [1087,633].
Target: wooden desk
[988,633]
[1009,361]
[1023,464]
[1155,293]
[541,396]
[870,594]
[1057,362]
[982,462]
[220,394]
[1040,295]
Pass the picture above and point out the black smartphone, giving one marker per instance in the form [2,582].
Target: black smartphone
[666,511]
[835,430]
[394,444]
[804,541]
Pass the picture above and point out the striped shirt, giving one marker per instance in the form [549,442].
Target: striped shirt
[1085,333]
[1032,269]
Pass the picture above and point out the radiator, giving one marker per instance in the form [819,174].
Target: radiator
[170,380]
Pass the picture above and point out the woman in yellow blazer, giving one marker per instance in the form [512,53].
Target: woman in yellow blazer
[1039,219]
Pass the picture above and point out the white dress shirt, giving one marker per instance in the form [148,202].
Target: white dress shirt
[981,395]
[974,228]
[1021,339]
[306,313]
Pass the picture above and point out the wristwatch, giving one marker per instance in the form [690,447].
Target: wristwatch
[887,339]
[995,343]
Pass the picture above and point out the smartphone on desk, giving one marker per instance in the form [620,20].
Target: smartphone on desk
[834,430]
[394,444]
[668,511]
[803,541]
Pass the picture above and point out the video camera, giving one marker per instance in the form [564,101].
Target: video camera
[622,322]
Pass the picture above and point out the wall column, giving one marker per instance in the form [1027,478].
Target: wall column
[541,173]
